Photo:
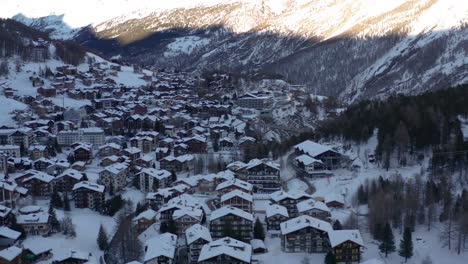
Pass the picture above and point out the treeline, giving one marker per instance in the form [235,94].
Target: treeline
[412,203]
[17,39]
[12,38]
[70,52]
[405,123]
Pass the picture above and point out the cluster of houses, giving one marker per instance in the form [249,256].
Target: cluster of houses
[300,220]
[151,137]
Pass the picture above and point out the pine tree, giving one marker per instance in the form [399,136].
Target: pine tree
[259,233]
[17,227]
[171,227]
[337,225]
[54,223]
[388,241]
[102,238]
[66,202]
[406,245]
[56,200]
[330,258]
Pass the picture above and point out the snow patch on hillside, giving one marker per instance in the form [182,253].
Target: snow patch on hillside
[185,45]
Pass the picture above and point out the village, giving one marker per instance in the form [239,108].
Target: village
[183,161]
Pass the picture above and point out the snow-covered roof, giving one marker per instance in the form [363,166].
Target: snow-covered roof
[281,195]
[148,215]
[236,193]
[162,245]
[71,173]
[197,231]
[276,209]
[187,211]
[236,182]
[116,168]
[310,204]
[9,233]
[35,218]
[339,236]
[304,221]
[313,149]
[41,176]
[158,174]
[9,254]
[4,211]
[255,162]
[226,246]
[89,185]
[70,254]
[257,243]
[307,160]
[227,210]
[38,248]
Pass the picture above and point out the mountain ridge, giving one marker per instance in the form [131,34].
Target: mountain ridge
[349,49]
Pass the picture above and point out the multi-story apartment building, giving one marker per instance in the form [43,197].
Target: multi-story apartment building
[186,217]
[264,175]
[346,245]
[89,195]
[11,150]
[65,181]
[196,237]
[240,222]
[289,200]
[91,135]
[305,234]
[160,249]
[151,179]
[238,199]
[114,176]
[234,184]
[315,209]
[275,215]
[226,251]
[255,101]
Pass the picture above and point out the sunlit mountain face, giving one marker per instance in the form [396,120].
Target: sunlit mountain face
[352,49]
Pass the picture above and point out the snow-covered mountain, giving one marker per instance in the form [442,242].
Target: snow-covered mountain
[352,48]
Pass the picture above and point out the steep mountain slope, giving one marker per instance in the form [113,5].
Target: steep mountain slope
[351,48]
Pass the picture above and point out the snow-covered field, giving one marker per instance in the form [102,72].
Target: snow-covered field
[87,223]
[7,106]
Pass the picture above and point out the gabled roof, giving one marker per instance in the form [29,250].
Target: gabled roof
[276,209]
[71,173]
[227,246]
[227,210]
[158,174]
[313,149]
[339,236]
[281,195]
[236,193]
[9,233]
[90,186]
[162,245]
[235,182]
[307,160]
[304,221]
[196,232]
[187,211]
[148,215]
[9,254]
[310,204]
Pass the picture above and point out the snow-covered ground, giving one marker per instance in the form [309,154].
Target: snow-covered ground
[87,223]
[185,45]
[7,106]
